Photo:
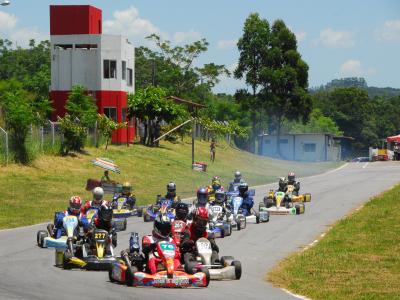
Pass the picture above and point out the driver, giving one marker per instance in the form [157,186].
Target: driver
[98,194]
[248,201]
[201,200]
[221,200]
[170,195]
[181,211]
[233,185]
[161,232]
[198,229]
[292,181]
[103,220]
[74,208]
[127,194]
[215,185]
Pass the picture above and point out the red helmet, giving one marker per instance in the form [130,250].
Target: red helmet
[200,218]
[75,204]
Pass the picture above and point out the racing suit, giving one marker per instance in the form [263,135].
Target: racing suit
[248,202]
[190,236]
[234,185]
[130,200]
[149,244]
[296,185]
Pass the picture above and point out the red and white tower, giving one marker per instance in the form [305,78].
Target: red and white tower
[102,63]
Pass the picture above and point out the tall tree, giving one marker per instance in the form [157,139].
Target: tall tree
[252,48]
[284,79]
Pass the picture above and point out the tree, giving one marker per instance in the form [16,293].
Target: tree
[107,126]
[20,111]
[252,48]
[284,79]
[81,114]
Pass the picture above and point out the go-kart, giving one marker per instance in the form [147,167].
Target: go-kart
[58,238]
[96,253]
[219,225]
[126,271]
[164,207]
[121,209]
[295,197]
[236,217]
[225,268]
[279,204]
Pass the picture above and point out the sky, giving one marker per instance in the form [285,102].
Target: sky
[337,39]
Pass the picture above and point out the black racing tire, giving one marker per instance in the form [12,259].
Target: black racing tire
[226,260]
[269,202]
[238,269]
[230,230]
[298,208]
[40,236]
[130,275]
[50,229]
[207,272]
[257,218]
[140,212]
[110,275]
[222,228]
[115,240]
[238,226]
[125,224]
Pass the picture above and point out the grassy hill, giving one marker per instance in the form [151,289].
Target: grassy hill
[32,194]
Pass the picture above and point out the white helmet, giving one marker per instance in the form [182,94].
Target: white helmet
[98,193]
[238,175]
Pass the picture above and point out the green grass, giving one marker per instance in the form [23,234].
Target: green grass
[31,194]
[359,258]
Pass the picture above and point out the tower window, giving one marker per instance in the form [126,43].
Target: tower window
[110,112]
[130,77]
[110,68]
[123,70]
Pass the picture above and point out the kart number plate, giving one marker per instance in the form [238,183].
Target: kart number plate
[167,246]
[178,225]
[99,235]
[216,209]
[204,247]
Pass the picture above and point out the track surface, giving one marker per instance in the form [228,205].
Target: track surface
[27,272]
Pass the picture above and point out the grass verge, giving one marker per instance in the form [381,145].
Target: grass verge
[359,258]
[31,194]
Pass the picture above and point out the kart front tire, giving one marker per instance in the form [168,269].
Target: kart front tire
[140,212]
[257,218]
[238,226]
[227,260]
[110,276]
[40,236]
[238,269]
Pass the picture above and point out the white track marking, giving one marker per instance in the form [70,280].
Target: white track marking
[295,295]
[365,165]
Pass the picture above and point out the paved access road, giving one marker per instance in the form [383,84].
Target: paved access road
[27,272]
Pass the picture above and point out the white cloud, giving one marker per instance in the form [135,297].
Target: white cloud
[353,67]
[390,31]
[336,39]
[7,21]
[226,44]
[186,37]
[129,23]
[300,36]
[22,36]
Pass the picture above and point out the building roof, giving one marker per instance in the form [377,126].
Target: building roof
[315,133]
[187,102]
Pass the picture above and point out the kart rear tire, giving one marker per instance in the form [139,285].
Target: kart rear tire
[226,260]
[130,275]
[110,275]
[268,202]
[238,226]
[140,212]
[222,229]
[125,225]
[238,269]
[207,272]
[40,236]
[257,218]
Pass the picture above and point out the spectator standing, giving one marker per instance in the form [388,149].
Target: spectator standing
[142,132]
[212,150]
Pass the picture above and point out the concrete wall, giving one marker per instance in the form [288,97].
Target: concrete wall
[302,147]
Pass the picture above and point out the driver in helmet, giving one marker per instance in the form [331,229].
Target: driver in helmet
[215,185]
[98,194]
[161,232]
[103,220]
[74,209]
[248,201]
[127,194]
[233,185]
[170,195]
[181,211]
[291,180]
[221,199]
[195,230]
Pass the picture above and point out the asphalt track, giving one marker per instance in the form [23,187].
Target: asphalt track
[27,272]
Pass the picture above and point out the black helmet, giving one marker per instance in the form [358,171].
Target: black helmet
[181,211]
[220,196]
[105,213]
[291,176]
[171,187]
[202,196]
[162,226]
[243,187]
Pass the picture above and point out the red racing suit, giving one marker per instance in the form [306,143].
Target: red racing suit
[91,204]
[149,243]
